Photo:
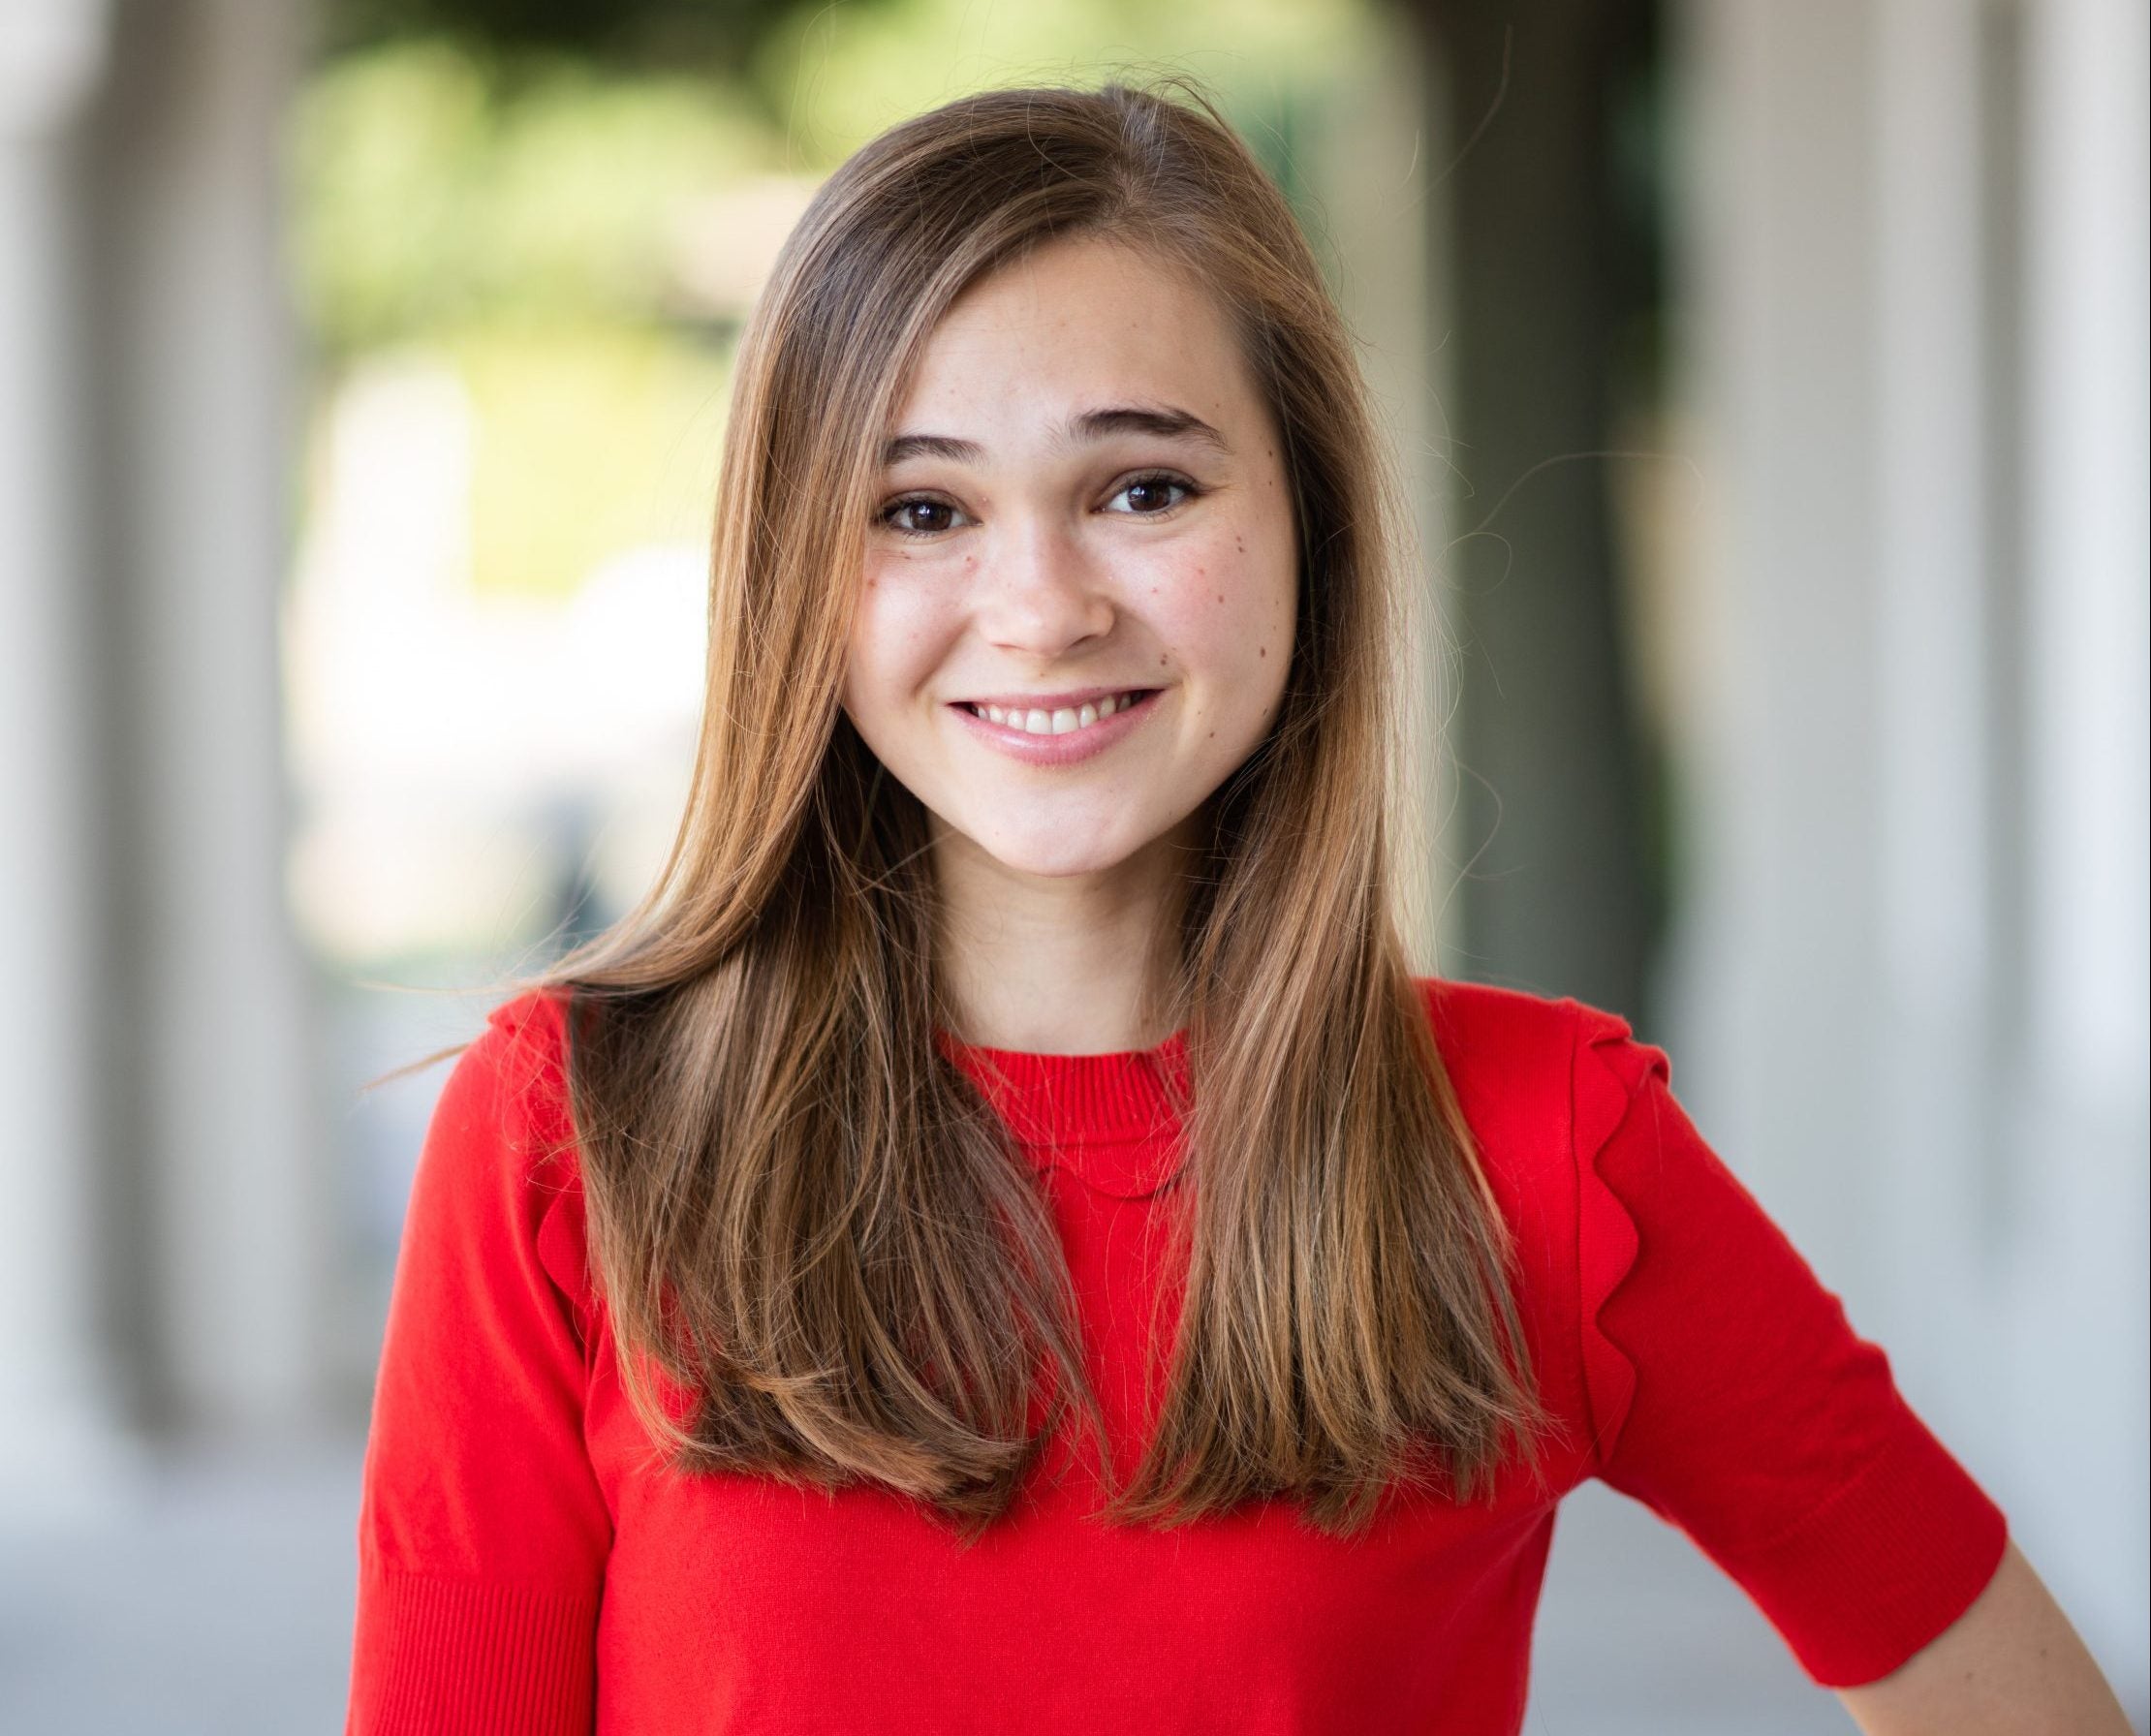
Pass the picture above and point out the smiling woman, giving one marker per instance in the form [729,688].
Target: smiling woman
[1015,1075]
[1093,631]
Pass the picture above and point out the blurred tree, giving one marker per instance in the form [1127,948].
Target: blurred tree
[638,34]
[468,160]
[436,195]
[1554,295]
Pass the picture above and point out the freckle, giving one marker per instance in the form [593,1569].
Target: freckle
[1161,663]
[1221,595]
[1263,651]
[1213,735]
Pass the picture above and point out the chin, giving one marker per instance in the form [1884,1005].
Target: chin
[1055,854]
[1049,863]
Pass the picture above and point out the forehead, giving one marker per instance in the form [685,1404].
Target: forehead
[1074,325]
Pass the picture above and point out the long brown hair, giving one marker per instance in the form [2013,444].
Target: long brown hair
[799,1210]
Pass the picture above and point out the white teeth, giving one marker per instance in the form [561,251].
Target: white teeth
[1059,722]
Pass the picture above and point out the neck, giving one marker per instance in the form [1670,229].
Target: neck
[1080,964]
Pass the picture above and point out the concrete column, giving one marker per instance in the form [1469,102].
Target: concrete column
[1940,575]
[2077,1252]
[199,442]
[1914,968]
[59,1390]
[1547,849]
[1775,1028]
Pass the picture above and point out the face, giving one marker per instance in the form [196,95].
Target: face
[1077,614]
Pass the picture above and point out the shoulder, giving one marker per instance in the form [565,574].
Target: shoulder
[1544,1085]
[1479,1024]
[1532,1070]
[524,1040]
[509,1086]
[500,1173]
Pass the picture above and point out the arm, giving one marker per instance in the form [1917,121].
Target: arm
[2010,1666]
[482,1533]
[1729,1393]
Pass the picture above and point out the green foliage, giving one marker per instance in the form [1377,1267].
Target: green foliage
[433,195]
[641,33]
[440,184]
[839,73]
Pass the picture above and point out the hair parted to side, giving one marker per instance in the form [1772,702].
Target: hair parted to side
[800,1212]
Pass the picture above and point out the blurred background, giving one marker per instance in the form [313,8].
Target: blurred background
[1772,381]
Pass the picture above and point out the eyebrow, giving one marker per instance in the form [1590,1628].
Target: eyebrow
[1164,422]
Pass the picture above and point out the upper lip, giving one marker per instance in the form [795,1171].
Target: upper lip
[1067,701]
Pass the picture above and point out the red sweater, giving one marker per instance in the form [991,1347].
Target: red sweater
[523,1566]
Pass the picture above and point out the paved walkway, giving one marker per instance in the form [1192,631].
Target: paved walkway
[215,1601]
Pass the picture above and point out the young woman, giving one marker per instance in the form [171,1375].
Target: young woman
[999,1239]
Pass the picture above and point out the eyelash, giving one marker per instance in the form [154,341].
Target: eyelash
[1188,491]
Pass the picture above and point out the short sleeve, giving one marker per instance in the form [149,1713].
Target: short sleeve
[483,1531]
[1730,1394]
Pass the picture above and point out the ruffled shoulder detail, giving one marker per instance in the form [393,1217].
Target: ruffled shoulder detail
[1610,1069]
[531,1029]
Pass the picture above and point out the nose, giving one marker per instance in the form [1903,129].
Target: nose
[1043,591]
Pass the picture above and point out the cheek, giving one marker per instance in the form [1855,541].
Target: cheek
[1226,606]
[897,630]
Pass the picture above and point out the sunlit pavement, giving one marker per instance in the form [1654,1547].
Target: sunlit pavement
[217,1602]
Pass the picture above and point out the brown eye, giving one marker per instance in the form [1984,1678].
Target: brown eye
[1153,496]
[920,516]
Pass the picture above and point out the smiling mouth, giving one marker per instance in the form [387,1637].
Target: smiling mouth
[1064,720]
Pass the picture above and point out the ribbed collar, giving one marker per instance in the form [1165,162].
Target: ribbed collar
[1111,1118]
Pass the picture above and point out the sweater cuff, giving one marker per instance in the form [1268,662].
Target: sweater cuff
[1882,1566]
[473,1658]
